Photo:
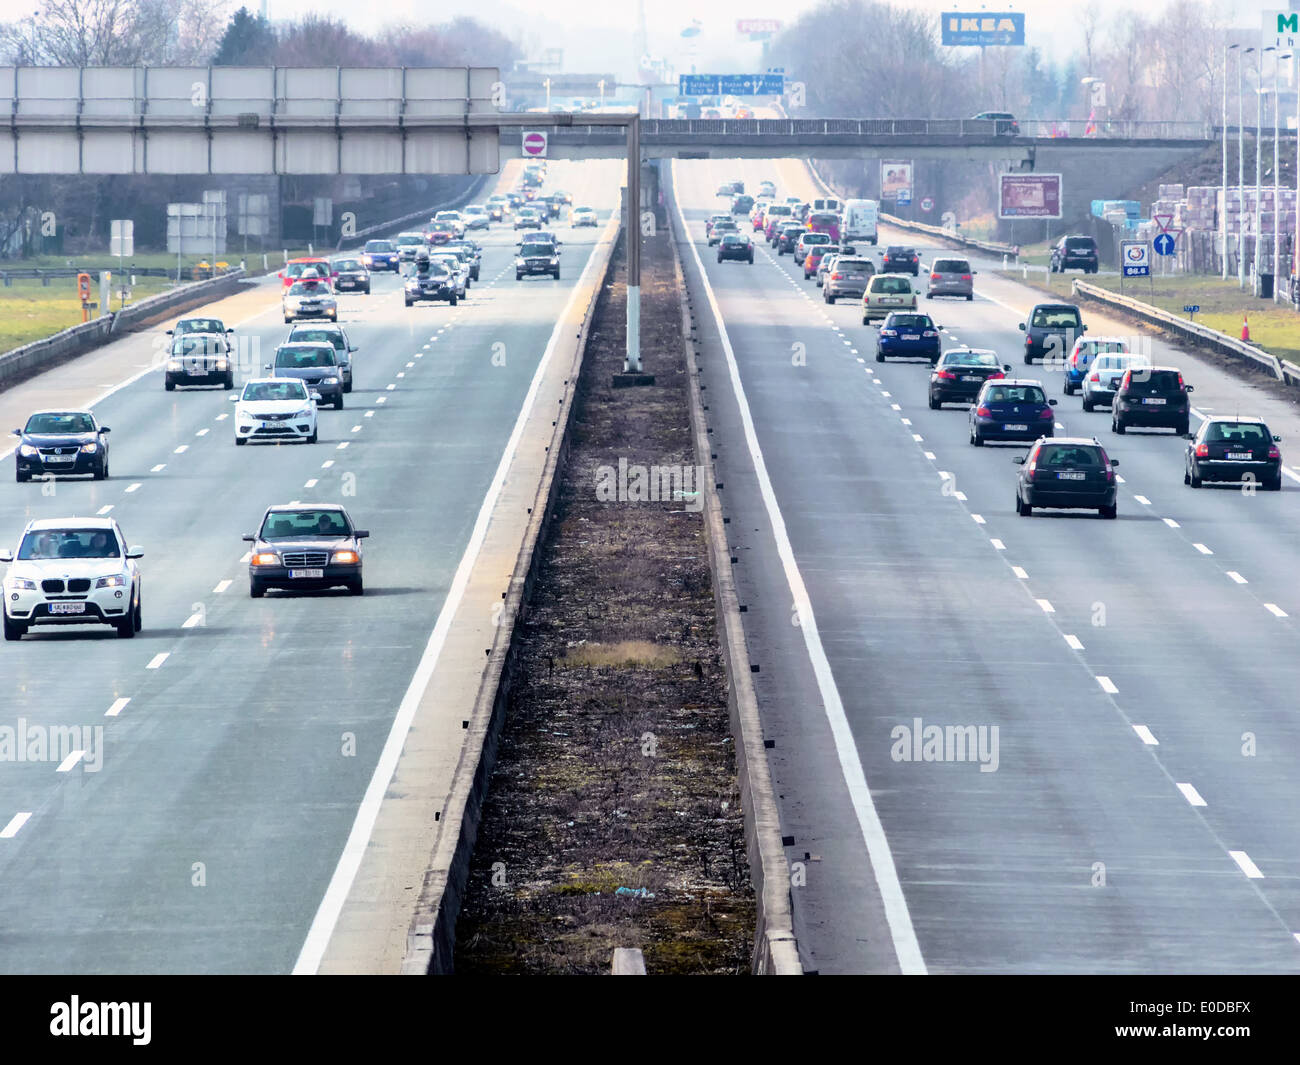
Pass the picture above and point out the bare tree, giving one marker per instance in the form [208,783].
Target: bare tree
[115,32]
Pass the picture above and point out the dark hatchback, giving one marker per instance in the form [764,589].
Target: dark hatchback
[351,276]
[742,205]
[960,373]
[1233,449]
[1051,330]
[907,336]
[1075,253]
[1069,473]
[901,260]
[381,255]
[736,246]
[1011,409]
[305,547]
[64,442]
[788,236]
[1152,397]
[315,364]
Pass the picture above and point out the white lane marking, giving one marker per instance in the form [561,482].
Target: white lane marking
[1145,735]
[409,365]
[1191,794]
[1119,479]
[133,487]
[401,375]
[118,706]
[895,406]
[104,509]
[1240,857]
[221,587]
[1275,610]
[1107,685]
[930,455]
[906,421]
[1203,549]
[978,519]
[15,823]
[1171,523]
[883,393]
[181,450]
[368,414]
[918,438]
[897,916]
[960,495]
[1059,425]
[327,464]
[356,428]
[1236,576]
[1291,473]
[331,905]
[203,432]
[1046,605]
[73,758]
[1074,643]
[158,660]
[245,557]
[221,417]
[341,446]
[1020,573]
[159,468]
[1143,500]
[998,545]
[190,622]
[311,483]
[391,387]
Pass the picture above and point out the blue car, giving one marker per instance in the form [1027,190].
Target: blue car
[1079,361]
[1011,409]
[907,335]
[381,255]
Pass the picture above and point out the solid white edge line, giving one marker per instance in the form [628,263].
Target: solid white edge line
[331,904]
[906,946]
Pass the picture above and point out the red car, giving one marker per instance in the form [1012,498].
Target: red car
[814,258]
[825,222]
[307,266]
[440,233]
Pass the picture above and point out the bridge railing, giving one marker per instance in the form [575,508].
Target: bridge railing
[954,128]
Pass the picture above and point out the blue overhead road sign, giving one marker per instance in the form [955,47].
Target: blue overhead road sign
[731,84]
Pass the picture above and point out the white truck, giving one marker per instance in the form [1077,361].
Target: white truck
[860,217]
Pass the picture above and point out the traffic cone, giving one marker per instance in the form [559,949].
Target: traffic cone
[1245,326]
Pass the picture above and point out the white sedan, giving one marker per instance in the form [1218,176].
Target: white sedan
[275,408]
[582,216]
[72,571]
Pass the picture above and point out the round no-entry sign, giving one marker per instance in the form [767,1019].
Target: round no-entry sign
[927,204]
[535,143]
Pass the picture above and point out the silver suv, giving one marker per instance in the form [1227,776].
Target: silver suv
[951,277]
[848,277]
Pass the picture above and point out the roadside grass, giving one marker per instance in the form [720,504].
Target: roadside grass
[93,262]
[1273,327]
[31,311]
[626,654]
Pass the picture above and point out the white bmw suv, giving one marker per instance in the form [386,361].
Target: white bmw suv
[275,408]
[72,571]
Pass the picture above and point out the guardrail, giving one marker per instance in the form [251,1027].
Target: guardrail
[41,355]
[1222,342]
[991,246]
[46,274]
[927,127]
[425,212]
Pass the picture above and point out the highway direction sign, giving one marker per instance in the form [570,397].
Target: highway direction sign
[730,84]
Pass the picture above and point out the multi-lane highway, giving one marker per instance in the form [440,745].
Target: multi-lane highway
[199,831]
[1132,682]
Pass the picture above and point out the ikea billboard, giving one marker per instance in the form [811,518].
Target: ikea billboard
[982,28]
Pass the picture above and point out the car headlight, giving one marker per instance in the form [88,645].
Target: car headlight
[28,452]
[115,580]
[330,380]
[21,582]
[221,364]
[413,284]
[519,261]
[347,558]
[306,412]
[89,449]
[243,415]
[265,558]
[173,364]
[554,259]
[366,259]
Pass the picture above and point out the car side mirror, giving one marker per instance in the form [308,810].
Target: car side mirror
[315,397]
[1006,368]
[105,429]
[170,332]
[1051,403]
[234,399]
[352,347]
[361,534]
[15,432]
[1192,436]
[231,329]
[973,273]
[1114,462]
[249,538]
[1019,460]
[1190,388]
[135,552]
[6,556]
[1022,327]
[1083,329]
[1277,439]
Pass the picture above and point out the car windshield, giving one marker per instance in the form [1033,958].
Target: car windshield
[733,238]
[475,209]
[951,266]
[274,391]
[1069,455]
[318,336]
[1251,433]
[317,524]
[199,344]
[970,358]
[446,216]
[1154,381]
[379,245]
[908,321]
[1056,318]
[817,238]
[70,422]
[778,209]
[200,325]
[308,288]
[538,250]
[1014,394]
[308,270]
[897,249]
[347,264]
[1098,347]
[69,543]
[1080,243]
[1115,362]
[301,358]
[410,239]
[892,285]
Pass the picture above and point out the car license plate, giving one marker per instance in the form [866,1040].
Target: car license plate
[1238,454]
[1016,428]
[346,284]
[917,336]
[307,574]
[60,458]
[891,299]
[1154,402]
[1070,475]
[969,377]
[67,608]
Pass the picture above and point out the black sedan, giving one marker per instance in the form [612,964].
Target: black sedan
[900,260]
[352,275]
[61,442]
[1011,409]
[788,236]
[736,246]
[305,547]
[960,374]
[1233,449]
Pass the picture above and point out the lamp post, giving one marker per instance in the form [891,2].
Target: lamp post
[1295,244]
[1277,173]
[1255,259]
[1241,172]
[1223,214]
[547,83]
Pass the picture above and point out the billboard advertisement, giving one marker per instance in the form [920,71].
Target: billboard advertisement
[1029,195]
[979,29]
[895,177]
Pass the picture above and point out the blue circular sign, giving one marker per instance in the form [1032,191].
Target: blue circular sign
[1164,244]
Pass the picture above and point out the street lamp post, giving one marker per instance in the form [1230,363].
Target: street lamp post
[1255,259]
[1277,174]
[1295,244]
[547,83]
[1223,215]
[1241,173]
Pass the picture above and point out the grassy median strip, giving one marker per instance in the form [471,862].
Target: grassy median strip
[613,818]
[32,311]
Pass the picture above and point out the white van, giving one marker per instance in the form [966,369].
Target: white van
[826,205]
[860,217]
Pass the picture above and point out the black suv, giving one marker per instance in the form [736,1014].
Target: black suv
[900,260]
[742,205]
[788,236]
[1152,397]
[1052,329]
[1233,449]
[1066,473]
[1074,253]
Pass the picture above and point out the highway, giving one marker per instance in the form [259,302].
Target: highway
[1140,674]
[239,735]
